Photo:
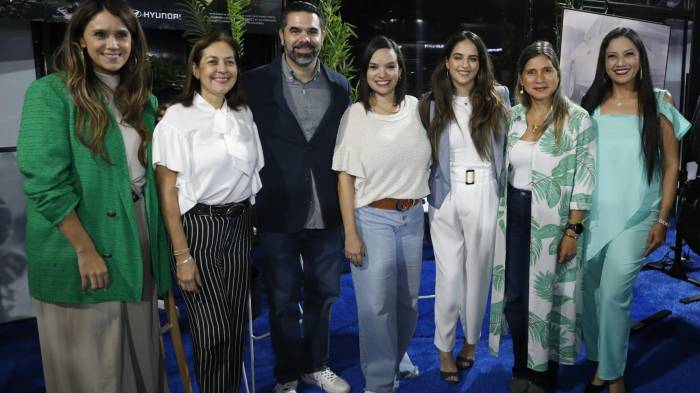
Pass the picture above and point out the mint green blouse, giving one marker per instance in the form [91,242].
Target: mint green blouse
[623,198]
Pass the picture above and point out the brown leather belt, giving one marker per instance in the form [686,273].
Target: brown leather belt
[394,204]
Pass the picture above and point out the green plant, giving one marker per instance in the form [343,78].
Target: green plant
[337,51]
[236,11]
[196,19]
[168,77]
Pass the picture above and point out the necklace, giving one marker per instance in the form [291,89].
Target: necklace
[620,101]
[535,127]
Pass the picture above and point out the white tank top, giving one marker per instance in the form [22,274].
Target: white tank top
[520,161]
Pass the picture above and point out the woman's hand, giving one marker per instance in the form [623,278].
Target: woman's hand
[188,274]
[93,269]
[354,249]
[656,237]
[567,249]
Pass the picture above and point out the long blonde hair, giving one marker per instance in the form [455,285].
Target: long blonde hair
[130,97]
[560,104]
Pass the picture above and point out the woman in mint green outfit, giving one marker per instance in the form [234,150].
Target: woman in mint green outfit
[637,132]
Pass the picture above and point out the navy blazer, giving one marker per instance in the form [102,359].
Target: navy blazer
[282,205]
[439,180]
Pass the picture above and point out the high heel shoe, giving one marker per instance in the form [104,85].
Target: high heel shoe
[464,363]
[591,388]
[451,377]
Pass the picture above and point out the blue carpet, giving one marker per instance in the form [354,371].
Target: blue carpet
[662,358]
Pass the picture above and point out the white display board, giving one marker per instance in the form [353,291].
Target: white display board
[17,71]
[582,33]
[15,302]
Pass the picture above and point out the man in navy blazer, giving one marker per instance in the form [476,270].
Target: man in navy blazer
[297,103]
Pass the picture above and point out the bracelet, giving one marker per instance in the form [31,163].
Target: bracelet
[181,252]
[184,261]
[574,236]
[663,222]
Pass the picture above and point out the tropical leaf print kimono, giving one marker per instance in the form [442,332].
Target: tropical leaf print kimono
[563,178]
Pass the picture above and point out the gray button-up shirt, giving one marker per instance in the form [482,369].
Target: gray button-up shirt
[308,102]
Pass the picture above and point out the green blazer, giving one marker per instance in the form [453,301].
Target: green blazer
[61,175]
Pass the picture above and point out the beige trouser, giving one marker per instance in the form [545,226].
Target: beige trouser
[109,347]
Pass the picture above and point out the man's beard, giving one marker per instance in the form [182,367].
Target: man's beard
[302,60]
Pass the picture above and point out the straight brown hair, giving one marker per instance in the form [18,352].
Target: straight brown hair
[560,104]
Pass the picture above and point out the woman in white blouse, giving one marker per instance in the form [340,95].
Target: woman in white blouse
[383,157]
[207,156]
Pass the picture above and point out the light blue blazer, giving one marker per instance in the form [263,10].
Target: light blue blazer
[439,180]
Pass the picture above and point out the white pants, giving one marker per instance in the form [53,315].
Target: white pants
[463,231]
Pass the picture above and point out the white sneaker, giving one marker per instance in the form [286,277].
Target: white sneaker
[289,387]
[327,380]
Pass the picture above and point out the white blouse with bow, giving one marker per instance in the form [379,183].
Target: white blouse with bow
[215,152]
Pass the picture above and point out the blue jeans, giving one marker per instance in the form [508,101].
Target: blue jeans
[386,290]
[518,286]
[321,251]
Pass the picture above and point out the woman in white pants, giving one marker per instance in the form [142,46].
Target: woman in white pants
[465,115]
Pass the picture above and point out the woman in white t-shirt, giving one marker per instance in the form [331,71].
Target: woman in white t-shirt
[207,156]
[383,158]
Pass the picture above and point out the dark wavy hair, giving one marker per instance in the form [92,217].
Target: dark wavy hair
[132,94]
[381,42]
[601,88]
[488,112]
[235,98]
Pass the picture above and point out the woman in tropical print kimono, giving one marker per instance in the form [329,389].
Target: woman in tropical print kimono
[637,131]
[548,180]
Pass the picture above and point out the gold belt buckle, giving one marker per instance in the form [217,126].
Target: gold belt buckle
[469,176]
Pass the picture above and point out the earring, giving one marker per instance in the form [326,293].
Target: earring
[641,73]
[521,90]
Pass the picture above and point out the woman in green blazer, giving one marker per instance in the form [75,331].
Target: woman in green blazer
[96,245]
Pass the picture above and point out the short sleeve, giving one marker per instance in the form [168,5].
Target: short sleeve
[170,150]
[256,182]
[678,122]
[346,157]
[585,167]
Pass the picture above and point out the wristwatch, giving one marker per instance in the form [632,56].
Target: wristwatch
[576,227]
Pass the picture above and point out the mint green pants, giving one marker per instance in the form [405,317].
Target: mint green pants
[608,279]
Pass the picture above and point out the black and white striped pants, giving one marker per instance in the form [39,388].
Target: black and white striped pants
[221,247]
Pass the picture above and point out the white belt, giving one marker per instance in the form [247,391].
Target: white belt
[464,174]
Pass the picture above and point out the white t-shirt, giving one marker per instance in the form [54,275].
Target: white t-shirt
[462,149]
[389,155]
[215,152]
